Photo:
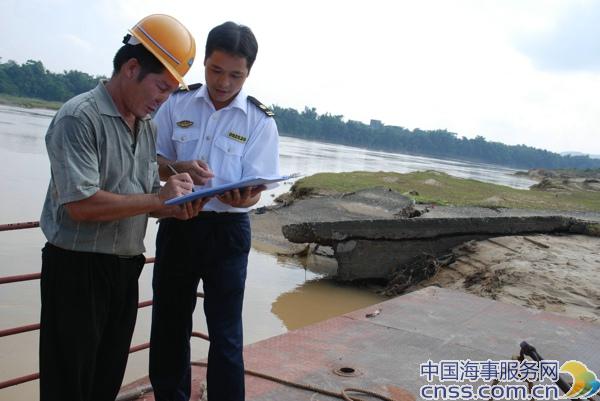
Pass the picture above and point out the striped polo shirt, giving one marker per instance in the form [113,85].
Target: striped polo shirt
[91,148]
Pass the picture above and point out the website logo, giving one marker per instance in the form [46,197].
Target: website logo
[506,380]
[585,382]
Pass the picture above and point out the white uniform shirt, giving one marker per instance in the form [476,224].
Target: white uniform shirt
[237,141]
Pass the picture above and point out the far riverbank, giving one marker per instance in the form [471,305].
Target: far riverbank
[28,103]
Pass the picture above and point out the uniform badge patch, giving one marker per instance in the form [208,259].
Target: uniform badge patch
[185,123]
[237,137]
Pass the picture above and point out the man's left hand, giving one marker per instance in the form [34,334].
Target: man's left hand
[243,197]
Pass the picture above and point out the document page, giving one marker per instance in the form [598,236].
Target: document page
[201,192]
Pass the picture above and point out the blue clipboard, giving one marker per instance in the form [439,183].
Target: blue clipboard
[220,189]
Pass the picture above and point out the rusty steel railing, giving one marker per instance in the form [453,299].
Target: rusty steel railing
[32,327]
[19,226]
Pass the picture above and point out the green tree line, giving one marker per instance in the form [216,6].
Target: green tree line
[32,79]
[440,143]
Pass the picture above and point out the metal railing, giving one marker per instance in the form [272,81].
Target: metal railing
[35,326]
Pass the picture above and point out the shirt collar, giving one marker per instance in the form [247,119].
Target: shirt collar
[105,102]
[239,102]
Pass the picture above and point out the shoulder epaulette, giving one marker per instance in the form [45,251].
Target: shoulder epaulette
[261,106]
[190,88]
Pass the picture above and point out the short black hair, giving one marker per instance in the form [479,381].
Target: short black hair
[232,38]
[148,63]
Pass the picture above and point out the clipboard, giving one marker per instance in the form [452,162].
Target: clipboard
[270,182]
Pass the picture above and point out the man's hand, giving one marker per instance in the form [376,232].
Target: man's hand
[175,186]
[197,169]
[178,185]
[188,210]
[243,197]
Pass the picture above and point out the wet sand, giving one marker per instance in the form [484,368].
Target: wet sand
[547,272]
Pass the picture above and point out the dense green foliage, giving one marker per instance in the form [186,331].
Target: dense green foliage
[438,143]
[32,80]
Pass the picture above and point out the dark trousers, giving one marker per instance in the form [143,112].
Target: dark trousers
[89,308]
[213,247]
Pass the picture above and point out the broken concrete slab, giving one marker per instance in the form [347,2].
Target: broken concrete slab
[380,249]
[329,233]
[372,203]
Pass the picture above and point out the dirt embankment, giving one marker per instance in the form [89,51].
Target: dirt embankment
[547,272]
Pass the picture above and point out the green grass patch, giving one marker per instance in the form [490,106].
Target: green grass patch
[442,189]
[29,103]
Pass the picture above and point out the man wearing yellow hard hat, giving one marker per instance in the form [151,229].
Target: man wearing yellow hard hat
[104,184]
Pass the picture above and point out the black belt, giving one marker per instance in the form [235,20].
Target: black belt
[127,256]
[211,213]
[52,246]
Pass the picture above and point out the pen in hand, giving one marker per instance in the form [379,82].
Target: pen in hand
[175,172]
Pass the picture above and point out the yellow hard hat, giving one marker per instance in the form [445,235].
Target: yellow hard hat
[169,41]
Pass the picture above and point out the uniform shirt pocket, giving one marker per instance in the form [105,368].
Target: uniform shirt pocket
[230,147]
[229,157]
[185,142]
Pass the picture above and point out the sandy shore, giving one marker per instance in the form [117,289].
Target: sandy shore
[553,273]
[546,272]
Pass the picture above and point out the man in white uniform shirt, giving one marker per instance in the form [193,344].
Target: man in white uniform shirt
[214,130]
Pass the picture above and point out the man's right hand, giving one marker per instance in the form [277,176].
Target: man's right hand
[176,185]
[187,210]
[197,169]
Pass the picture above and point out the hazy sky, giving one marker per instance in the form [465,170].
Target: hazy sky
[518,72]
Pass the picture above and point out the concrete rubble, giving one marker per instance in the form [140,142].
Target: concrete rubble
[380,249]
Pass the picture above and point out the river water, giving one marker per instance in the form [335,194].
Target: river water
[281,294]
